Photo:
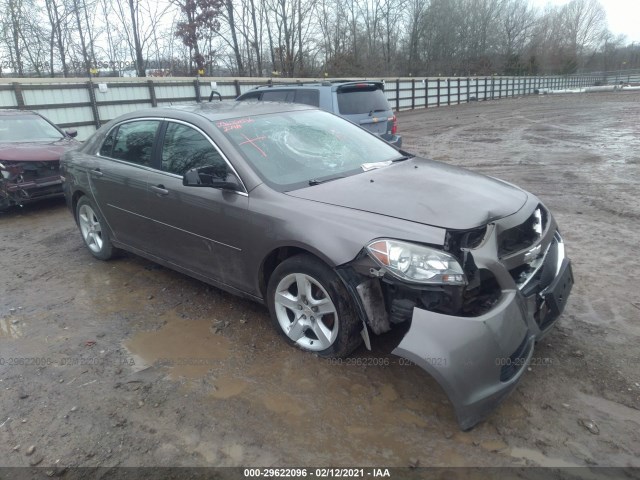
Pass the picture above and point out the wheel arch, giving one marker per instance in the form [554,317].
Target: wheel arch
[278,255]
[75,198]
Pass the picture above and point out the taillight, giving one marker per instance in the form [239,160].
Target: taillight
[394,127]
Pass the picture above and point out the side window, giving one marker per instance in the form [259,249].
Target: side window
[134,141]
[278,96]
[107,144]
[253,96]
[308,96]
[185,148]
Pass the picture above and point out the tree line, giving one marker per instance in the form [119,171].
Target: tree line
[307,38]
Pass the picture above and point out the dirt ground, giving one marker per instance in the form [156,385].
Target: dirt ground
[125,363]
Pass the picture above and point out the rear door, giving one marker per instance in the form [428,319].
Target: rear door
[119,178]
[199,229]
[365,104]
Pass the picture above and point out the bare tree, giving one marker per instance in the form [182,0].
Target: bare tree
[416,11]
[585,23]
[518,20]
[308,37]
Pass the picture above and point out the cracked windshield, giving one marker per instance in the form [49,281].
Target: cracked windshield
[291,150]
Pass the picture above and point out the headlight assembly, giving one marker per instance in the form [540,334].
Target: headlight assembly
[416,263]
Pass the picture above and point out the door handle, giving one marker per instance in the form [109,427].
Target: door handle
[160,190]
[96,172]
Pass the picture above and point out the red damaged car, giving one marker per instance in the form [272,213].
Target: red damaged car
[30,150]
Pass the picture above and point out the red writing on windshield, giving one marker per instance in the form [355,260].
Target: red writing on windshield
[228,125]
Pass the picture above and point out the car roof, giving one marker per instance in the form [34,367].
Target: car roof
[333,84]
[12,111]
[220,110]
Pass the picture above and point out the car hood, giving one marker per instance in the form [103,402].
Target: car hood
[422,191]
[35,151]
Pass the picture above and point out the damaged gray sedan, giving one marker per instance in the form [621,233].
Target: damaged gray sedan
[340,234]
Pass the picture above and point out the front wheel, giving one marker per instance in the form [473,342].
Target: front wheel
[312,309]
[94,233]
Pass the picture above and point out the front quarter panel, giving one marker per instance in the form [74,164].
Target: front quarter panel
[334,234]
[75,166]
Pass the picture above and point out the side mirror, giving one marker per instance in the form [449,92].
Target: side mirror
[212,176]
[72,132]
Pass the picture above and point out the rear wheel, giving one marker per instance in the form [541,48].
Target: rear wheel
[311,308]
[94,233]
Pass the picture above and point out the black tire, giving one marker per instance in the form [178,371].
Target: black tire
[347,336]
[5,204]
[99,243]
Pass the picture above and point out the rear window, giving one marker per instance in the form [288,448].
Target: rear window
[362,100]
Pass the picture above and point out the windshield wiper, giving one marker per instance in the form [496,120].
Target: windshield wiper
[315,181]
[376,111]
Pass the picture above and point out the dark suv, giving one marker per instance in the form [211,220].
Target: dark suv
[361,102]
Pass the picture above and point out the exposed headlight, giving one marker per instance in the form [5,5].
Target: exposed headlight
[417,263]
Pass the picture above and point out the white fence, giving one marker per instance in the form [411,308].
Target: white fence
[87,104]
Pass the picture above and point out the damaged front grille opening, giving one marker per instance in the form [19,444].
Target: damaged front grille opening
[471,301]
[524,235]
[455,241]
[533,276]
[21,182]
[483,296]
[22,172]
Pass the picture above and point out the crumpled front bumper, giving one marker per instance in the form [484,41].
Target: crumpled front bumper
[479,360]
[466,355]
[21,192]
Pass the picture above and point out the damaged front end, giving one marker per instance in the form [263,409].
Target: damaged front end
[473,328]
[24,182]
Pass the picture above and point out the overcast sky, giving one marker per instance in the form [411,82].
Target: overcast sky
[623,16]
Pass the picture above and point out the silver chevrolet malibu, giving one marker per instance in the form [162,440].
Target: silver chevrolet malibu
[340,234]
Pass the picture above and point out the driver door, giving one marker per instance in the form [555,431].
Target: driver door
[197,228]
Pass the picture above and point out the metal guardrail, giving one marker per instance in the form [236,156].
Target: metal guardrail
[88,104]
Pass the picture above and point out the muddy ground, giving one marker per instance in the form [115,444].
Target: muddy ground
[125,363]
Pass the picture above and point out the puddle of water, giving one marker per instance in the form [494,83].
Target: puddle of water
[187,347]
[379,408]
[8,329]
[385,411]
[110,290]
[227,387]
